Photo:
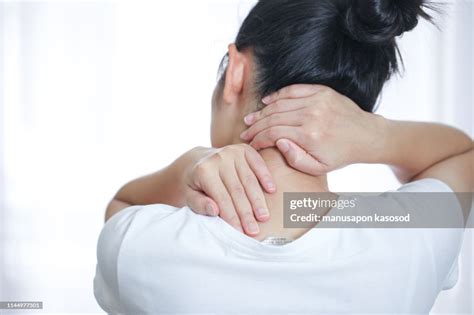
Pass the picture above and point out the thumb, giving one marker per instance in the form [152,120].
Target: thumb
[201,204]
[300,159]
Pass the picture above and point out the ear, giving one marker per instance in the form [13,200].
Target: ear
[234,78]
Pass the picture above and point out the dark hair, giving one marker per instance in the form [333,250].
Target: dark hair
[348,45]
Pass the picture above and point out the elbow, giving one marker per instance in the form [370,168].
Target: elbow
[465,142]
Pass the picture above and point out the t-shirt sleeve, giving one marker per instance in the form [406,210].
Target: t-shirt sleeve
[106,289]
[115,233]
[444,243]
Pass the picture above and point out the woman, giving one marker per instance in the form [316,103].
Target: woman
[165,258]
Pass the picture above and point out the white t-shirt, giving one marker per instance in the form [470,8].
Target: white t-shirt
[160,259]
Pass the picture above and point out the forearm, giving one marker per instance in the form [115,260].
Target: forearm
[159,187]
[164,186]
[412,147]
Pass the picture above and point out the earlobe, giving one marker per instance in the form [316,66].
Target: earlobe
[234,76]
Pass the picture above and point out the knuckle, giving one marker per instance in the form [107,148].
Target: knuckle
[304,115]
[277,106]
[314,136]
[260,114]
[272,133]
[258,202]
[225,150]
[218,156]
[238,189]
[323,135]
[240,147]
[325,106]
[260,143]
[234,220]
[294,160]
[249,180]
[248,217]
[201,169]
[246,151]
[221,198]
[324,90]
[292,90]
[256,142]
[312,113]
[272,120]
[277,118]
[268,110]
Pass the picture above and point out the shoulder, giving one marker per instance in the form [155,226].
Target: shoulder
[426,185]
[433,234]
[118,225]
[432,201]
[117,228]
[114,233]
[429,199]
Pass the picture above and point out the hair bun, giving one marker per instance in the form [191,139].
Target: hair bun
[380,21]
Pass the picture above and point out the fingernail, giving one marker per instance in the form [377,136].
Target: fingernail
[210,210]
[249,119]
[283,146]
[262,212]
[270,186]
[253,227]
[266,99]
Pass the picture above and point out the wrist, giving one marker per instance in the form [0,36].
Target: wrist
[391,142]
[375,150]
[184,165]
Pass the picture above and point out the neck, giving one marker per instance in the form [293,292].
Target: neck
[287,180]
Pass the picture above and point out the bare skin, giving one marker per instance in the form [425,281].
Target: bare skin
[287,180]
[316,130]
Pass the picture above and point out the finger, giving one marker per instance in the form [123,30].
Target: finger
[268,137]
[274,108]
[215,189]
[293,118]
[202,204]
[254,191]
[293,91]
[260,169]
[300,159]
[239,198]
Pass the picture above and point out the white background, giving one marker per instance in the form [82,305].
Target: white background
[95,93]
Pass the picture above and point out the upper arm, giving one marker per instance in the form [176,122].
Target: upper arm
[106,286]
[457,173]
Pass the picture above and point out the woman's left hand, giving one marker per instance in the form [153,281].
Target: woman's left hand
[317,129]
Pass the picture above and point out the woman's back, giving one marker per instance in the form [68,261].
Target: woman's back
[160,259]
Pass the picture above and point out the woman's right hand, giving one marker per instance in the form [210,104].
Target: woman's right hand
[228,182]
